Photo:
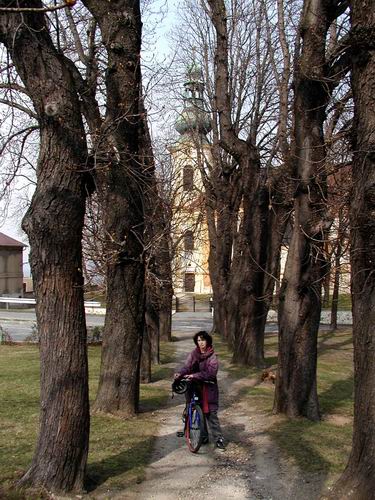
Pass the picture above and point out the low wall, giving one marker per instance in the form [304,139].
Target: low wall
[343,317]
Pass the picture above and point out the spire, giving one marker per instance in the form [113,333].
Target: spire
[194,115]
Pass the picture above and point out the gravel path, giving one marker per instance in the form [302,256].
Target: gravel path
[251,468]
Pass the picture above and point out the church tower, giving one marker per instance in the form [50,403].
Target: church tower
[191,154]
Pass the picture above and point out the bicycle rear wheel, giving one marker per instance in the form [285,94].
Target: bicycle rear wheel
[194,428]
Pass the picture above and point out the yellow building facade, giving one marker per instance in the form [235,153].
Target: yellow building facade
[190,154]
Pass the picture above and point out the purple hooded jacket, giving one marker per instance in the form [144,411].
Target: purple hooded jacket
[204,366]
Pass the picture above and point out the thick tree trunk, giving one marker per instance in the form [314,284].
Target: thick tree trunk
[165,321]
[239,248]
[220,319]
[336,288]
[358,479]
[326,286]
[118,390]
[222,219]
[249,320]
[60,457]
[296,390]
[145,376]
[246,307]
[252,281]
[299,315]
[122,188]
[152,323]
[54,225]
[300,302]
[163,261]
[219,293]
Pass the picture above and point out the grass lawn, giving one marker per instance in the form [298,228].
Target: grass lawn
[314,446]
[119,449]
[344,302]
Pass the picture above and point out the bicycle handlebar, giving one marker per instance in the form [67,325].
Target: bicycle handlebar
[204,381]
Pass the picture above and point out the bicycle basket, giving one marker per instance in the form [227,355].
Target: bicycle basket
[179,386]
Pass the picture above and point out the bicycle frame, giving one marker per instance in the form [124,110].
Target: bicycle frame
[195,424]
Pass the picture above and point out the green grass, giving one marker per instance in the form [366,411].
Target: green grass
[344,303]
[314,446]
[119,448]
[97,296]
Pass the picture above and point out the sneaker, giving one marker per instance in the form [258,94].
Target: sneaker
[180,434]
[220,445]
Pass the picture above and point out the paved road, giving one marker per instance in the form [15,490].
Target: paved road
[19,323]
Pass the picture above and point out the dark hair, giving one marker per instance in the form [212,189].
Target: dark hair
[205,335]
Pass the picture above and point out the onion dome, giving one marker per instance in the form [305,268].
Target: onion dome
[194,116]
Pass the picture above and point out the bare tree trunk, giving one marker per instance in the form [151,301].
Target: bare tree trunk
[163,259]
[145,376]
[247,308]
[54,225]
[336,287]
[122,185]
[152,322]
[327,279]
[300,302]
[242,256]
[258,280]
[358,479]
[165,320]
[275,298]
[221,220]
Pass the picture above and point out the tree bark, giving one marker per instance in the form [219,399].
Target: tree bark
[327,280]
[335,292]
[336,278]
[300,295]
[242,251]
[358,479]
[145,372]
[121,185]
[254,266]
[222,216]
[164,263]
[54,225]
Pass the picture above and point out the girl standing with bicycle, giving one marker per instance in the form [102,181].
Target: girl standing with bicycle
[201,367]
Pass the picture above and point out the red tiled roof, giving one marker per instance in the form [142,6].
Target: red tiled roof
[7,241]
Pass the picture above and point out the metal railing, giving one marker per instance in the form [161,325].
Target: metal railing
[20,300]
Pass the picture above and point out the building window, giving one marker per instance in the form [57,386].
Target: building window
[189,282]
[188,241]
[188,178]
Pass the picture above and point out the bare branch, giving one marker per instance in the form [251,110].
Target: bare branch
[15,87]
[26,130]
[48,8]
[13,104]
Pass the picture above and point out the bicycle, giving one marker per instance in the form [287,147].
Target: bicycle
[193,416]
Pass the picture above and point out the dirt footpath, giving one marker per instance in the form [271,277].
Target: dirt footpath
[251,467]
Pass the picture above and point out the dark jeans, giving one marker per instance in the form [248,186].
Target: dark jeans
[214,425]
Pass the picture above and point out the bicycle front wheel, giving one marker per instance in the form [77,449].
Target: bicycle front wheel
[194,428]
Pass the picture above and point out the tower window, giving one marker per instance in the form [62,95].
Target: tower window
[188,178]
[189,282]
[188,241]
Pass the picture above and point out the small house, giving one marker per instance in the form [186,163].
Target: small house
[11,270]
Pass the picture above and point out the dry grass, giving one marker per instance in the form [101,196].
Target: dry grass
[119,449]
[318,447]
